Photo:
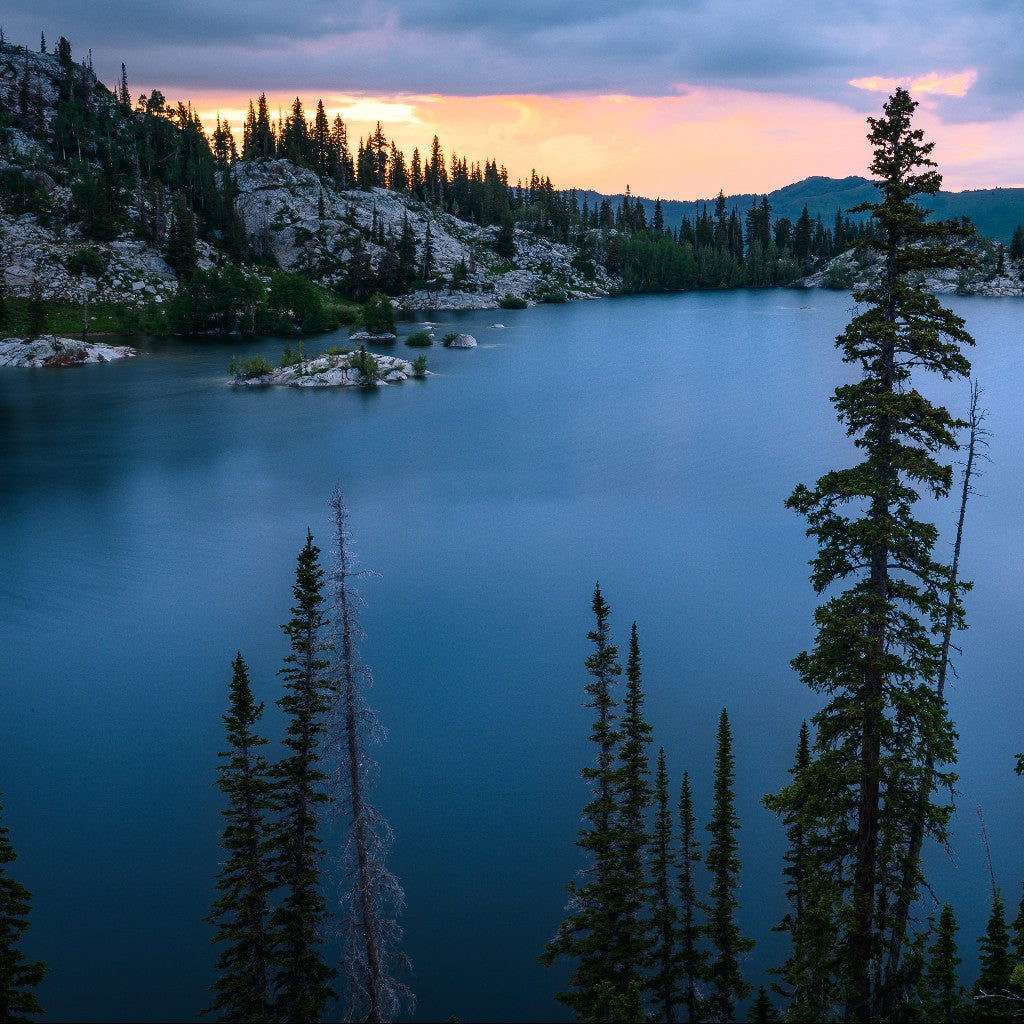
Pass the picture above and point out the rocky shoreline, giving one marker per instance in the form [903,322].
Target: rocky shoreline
[50,350]
[332,370]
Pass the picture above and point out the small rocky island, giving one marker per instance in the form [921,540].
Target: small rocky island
[50,350]
[335,369]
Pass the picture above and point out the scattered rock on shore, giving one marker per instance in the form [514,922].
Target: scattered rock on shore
[50,350]
[332,370]
[460,341]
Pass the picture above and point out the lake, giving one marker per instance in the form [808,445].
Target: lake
[152,518]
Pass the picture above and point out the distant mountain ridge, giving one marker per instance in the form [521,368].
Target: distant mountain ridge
[995,212]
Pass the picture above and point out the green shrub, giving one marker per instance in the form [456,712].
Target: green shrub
[378,315]
[290,358]
[513,302]
[21,193]
[449,338]
[419,339]
[88,261]
[554,297]
[246,369]
[838,278]
[128,319]
[419,366]
[365,363]
[337,350]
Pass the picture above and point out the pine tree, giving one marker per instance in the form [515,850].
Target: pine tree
[295,144]
[36,309]
[124,97]
[944,994]
[885,728]
[265,145]
[633,798]
[761,1010]
[428,254]
[320,140]
[63,52]
[991,991]
[370,961]
[302,983]
[693,958]
[663,960]
[807,978]
[803,239]
[589,932]
[18,976]
[1017,243]
[1018,933]
[723,863]
[241,911]
[182,253]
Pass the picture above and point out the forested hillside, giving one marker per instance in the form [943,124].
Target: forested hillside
[995,212]
[165,224]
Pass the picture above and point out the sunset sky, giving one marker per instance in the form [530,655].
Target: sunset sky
[676,98]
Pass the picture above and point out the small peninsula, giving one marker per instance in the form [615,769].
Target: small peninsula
[50,350]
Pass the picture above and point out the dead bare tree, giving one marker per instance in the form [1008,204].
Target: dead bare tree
[371,960]
[977,442]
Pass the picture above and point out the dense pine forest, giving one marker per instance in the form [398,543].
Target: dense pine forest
[650,931]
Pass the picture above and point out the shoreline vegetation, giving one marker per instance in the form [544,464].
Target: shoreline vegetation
[122,216]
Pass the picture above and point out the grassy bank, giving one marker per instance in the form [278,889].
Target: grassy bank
[64,318]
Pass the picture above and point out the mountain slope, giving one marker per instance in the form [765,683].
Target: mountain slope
[995,212]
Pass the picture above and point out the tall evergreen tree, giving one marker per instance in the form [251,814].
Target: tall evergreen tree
[589,933]
[944,995]
[633,799]
[1018,933]
[727,944]
[428,254]
[371,960]
[875,655]
[18,976]
[762,1011]
[302,983]
[807,978]
[241,911]
[320,140]
[663,960]
[36,309]
[182,253]
[992,997]
[692,956]
[265,145]
[124,97]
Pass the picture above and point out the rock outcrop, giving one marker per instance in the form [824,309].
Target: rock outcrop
[459,341]
[334,370]
[306,226]
[50,350]
[989,275]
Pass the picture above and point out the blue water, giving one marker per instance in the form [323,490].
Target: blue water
[150,522]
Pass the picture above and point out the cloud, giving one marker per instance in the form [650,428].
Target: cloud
[933,83]
[965,62]
[465,47]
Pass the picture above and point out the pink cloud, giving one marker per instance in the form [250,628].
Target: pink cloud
[934,83]
[684,146]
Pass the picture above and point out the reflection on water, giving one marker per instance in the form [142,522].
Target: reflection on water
[151,518]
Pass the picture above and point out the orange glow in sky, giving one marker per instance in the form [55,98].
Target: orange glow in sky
[686,146]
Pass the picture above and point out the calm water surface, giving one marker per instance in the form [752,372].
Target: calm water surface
[150,522]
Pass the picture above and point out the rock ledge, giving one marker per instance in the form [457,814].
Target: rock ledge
[49,350]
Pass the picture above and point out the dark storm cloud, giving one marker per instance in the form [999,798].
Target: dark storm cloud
[469,47]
